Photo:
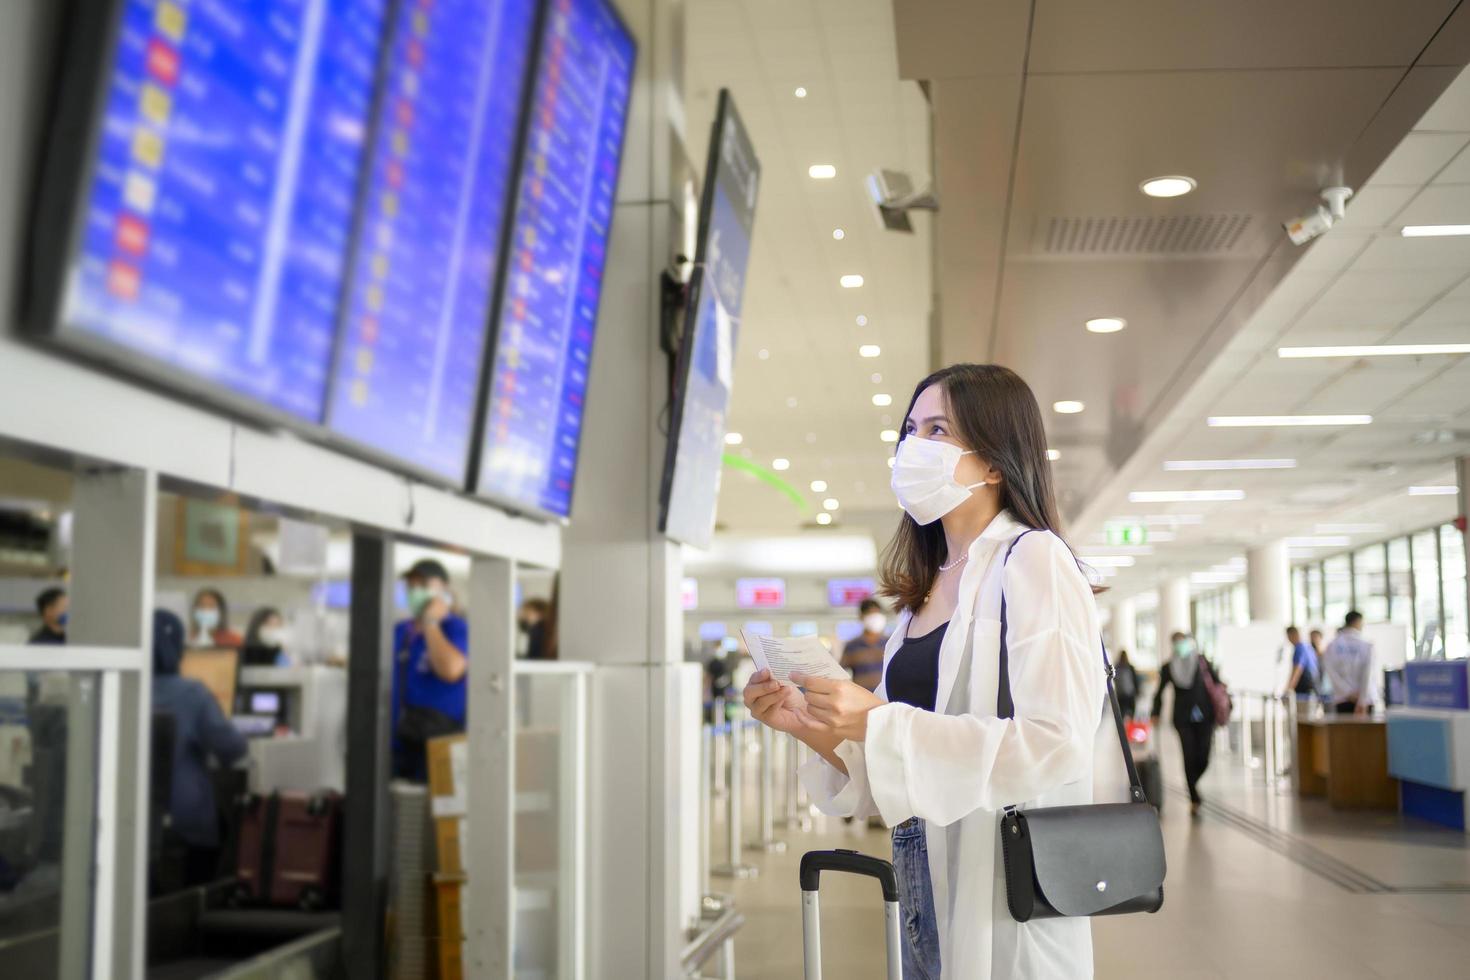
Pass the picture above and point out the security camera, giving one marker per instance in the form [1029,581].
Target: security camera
[1321,219]
[894,196]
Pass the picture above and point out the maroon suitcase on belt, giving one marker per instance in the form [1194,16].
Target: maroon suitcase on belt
[287,848]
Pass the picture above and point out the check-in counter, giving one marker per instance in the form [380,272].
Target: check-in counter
[1345,758]
[311,703]
[1429,742]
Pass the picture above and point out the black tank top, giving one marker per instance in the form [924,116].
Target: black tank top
[913,673]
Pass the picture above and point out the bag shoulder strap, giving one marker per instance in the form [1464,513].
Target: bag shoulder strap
[1006,707]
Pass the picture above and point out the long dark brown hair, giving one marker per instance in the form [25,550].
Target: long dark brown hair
[992,411]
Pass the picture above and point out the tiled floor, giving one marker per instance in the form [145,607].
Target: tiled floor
[1260,886]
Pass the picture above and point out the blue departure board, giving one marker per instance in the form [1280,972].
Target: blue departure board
[407,373]
[692,466]
[557,254]
[218,206]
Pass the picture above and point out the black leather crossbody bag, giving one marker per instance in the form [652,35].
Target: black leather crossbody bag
[1093,859]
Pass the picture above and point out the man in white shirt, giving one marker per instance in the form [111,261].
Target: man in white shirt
[1348,664]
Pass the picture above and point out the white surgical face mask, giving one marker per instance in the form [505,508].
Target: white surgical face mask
[923,478]
[272,636]
[206,618]
[874,622]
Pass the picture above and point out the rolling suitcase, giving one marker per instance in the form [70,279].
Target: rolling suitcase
[286,849]
[813,863]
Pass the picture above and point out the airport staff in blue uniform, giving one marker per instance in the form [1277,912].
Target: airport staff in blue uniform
[430,659]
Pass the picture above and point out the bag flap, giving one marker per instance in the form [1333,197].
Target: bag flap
[1090,858]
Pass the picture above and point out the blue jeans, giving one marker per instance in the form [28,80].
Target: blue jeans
[916,902]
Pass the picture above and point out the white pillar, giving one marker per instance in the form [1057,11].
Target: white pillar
[1124,627]
[1268,583]
[1173,612]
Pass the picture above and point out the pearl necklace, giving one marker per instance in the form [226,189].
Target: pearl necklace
[954,564]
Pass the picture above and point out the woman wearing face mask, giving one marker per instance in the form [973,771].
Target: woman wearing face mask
[210,619]
[933,751]
[1194,712]
[265,639]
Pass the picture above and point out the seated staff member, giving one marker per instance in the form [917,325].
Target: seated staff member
[200,731]
[863,654]
[430,660]
[210,616]
[52,605]
[265,638]
[929,750]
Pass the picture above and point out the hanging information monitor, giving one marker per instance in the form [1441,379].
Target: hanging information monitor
[556,255]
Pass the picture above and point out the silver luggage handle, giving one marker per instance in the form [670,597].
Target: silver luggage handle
[813,863]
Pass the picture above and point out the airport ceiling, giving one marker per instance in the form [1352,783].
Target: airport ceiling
[1045,118]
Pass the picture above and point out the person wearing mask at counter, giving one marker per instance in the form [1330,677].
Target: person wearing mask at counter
[430,659]
[937,750]
[1194,711]
[531,621]
[862,655]
[210,621]
[265,639]
[201,731]
[52,605]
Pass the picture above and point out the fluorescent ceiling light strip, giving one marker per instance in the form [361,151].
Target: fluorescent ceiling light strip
[1374,350]
[1247,421]
[1183,496]
[1194,465]
[1440,491]
[1108,561]
[1434,231]
[1320,541]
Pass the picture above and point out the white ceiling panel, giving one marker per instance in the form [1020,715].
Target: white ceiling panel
[1418,158]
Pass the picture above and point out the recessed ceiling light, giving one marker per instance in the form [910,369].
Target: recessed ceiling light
[733,438]
[780,463]
[862,320]
[763,354]
[1067,407]
[1258,421]
[1171,186]
[1440,491]
[1375,350]
[1198,465]
[821,171]
[876,378]
[819,486]
[830,503]
[889,435]
[800,92]
[1183,496]
[791,401]
[851,281]
[1053,455]
[811,437]
[838,234]
[1106,324]
[1434,231]
[824,518]
[869,350]
[882,400]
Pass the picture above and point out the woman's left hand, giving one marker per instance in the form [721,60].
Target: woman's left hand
[840,705]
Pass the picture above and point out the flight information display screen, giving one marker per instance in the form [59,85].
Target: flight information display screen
[691,481]
[407,375]
[556,258]
[218,204]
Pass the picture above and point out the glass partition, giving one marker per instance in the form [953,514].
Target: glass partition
[1400,579]
[1428,612]
[48,758]
[550,826]
[1314,594]
[1452,580]
[1337,590]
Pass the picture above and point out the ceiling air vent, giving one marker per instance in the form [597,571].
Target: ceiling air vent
[1186,234]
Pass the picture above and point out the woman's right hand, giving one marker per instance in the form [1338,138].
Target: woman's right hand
[779,706]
